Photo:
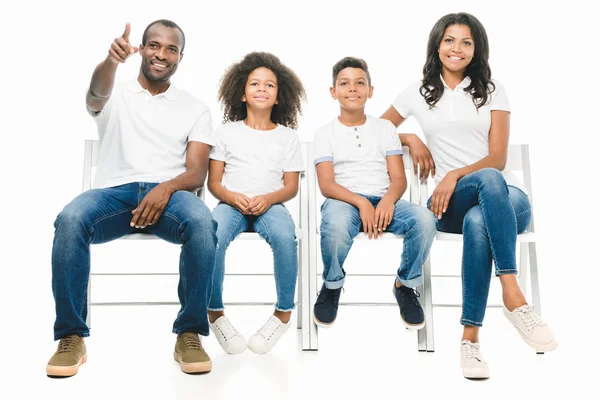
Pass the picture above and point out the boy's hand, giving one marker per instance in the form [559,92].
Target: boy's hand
[259,204]
[384,214]
[121,49]
[367,216]
[239,201]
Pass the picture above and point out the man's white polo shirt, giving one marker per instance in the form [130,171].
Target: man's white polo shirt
[456,133]
[359,153]
[143,138]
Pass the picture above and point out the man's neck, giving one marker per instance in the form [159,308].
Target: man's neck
[154,87]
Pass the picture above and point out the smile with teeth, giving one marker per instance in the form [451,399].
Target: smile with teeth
[158,65]
[455,58]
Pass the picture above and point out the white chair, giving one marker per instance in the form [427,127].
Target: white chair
[517,163]
[299,211]
[425,335]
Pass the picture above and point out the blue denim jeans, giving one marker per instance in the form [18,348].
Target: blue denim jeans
[276,226]
[340,223]
[489,214]
[101,215]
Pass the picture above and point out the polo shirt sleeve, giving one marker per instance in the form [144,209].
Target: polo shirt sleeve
[292,161]
[499,99]
[323,146]
[404,103]
[393,146]
[202,131]
[217,151]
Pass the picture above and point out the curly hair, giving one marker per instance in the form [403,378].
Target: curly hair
[478,69]
[290,91]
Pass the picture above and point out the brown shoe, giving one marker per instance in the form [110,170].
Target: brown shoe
[190,354]
[71,353]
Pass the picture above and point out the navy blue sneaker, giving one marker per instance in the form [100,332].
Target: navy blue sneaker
[326,306]
[411,312]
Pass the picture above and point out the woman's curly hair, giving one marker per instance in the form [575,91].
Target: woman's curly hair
[290,91]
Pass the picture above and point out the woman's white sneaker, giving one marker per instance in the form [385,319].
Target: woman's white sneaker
[471,361]
[228,337]
[267,336]
[532,328]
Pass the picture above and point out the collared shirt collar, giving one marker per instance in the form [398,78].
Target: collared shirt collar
[135,87]
[463,84]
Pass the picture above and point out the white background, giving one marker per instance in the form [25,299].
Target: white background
[545,55]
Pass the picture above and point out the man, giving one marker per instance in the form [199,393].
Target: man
[154,146]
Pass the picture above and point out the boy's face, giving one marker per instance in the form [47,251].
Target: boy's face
[352,88]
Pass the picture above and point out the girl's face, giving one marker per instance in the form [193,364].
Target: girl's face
[456,49]
[261,89]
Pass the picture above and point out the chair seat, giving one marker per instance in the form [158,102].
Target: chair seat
[243,236]
[525,237]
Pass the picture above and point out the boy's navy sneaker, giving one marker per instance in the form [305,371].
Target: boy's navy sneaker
[326,306]
[411,312]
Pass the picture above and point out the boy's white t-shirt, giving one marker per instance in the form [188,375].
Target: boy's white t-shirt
[359,153]
[456,133]
[255,160]
[143,138]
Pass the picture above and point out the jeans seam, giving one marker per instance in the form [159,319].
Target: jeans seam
[102,218]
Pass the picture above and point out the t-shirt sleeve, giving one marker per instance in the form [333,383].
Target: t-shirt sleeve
[323,146]
[499,99]
[202,131]
[292,161]
[393,146]
[404,103]
[217,151]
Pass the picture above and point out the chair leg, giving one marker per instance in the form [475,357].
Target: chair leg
[428,305]
[523,268]
[312,293]
[88,320]
[422,333]
[535,279]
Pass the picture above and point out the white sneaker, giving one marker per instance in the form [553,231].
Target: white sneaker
[471,361]
[267,336]
[532,328]
[230,340]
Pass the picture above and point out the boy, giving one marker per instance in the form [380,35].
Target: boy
[360,172]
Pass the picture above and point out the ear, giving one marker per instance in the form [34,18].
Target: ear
[180,57]
[371,91]
[333,93]
[276,101]
[243,98]
[140,48]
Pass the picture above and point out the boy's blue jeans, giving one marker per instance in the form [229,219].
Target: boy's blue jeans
[340,223]
[276,226]
[489,213]
[101,215]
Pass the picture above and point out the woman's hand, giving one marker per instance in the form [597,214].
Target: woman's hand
[442,194]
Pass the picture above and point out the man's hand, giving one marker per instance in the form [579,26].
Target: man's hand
[367,216]
[152,206]
[384,214]
[239,201]
[120,48]
[259,204]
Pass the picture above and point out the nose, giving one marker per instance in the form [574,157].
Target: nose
[160,53]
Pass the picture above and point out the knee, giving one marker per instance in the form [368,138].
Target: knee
[492,179]
[200,224]
[335,232]
[71,217]
[473,222]
[284,239]
[424,221]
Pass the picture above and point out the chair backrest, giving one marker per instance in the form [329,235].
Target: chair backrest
[316,198]
[298,206]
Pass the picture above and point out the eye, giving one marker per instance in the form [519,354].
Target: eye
[343,83]
[153,45]
[253,84]
[467,43]
[271,85]
[448,40]
[173,50]
[361,83]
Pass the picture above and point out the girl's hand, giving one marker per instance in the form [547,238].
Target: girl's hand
[259,204]
[442,194]
[239,201]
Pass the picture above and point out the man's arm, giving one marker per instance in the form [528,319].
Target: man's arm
[155,202]
[103,78]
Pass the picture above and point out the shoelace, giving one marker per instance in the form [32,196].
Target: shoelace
[67,345]
[530,318]
[412,297]
[269,328]
[226,329]
[191,341]
[335,296]
[473,351]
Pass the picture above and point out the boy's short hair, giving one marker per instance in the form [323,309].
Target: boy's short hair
[351,62]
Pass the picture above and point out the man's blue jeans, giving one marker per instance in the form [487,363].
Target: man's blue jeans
[101,215]
[340,223]
[276,226]
[489,213]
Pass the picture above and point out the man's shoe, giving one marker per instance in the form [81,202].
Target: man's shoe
[471,361]
[267,336]
[411,312]
[326,306]
[228,337]
[532,328]
[70,354]
[190,354]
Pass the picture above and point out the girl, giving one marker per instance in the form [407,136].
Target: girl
[465,117]
[254,168]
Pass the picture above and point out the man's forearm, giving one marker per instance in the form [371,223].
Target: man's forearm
[101,85]
[190,180]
